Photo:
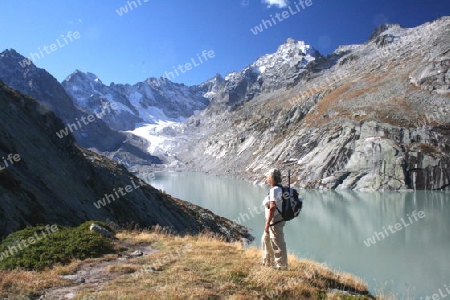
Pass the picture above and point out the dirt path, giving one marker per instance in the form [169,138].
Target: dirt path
[92,275]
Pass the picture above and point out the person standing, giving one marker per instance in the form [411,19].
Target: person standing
[273,244]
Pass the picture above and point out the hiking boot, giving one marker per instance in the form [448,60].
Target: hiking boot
[279,267]
[266,263]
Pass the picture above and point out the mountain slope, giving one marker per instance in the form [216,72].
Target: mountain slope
[161,104]
[145,102]
[88,133]
[162,100]
[268,73]
[372,116]
[51,180]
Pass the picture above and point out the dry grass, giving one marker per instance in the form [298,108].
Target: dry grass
[17,282]
[195,267]
[68,269]
[329,102]
[343,101]
[122,269]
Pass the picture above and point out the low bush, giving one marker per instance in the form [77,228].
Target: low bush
[36,248]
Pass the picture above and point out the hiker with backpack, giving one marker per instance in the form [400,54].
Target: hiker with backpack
[273,243]
[281,204]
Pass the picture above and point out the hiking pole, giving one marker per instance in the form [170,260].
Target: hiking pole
[289,178]
[289,184]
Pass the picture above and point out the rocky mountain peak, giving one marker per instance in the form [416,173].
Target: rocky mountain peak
[291,53]
[20,73]
[382,28]
[293,46]
[212,86]
[150,101]
[11,54]
[269,72]
[81,76]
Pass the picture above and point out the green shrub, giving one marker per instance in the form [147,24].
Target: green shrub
[35,248]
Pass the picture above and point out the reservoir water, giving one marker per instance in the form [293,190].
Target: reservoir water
[397,242]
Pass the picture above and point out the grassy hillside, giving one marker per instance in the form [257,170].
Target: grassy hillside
[189,267]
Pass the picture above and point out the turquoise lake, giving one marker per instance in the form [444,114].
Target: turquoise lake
[408,254]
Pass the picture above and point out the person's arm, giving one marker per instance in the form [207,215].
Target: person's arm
[272,207]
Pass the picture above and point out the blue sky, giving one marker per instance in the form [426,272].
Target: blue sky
[159,34]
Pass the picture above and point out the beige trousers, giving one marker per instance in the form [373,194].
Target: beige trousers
[274,245]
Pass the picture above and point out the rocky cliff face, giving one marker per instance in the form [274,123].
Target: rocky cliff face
[268,73]
[89,133]
[145,102]
[368,117]
[45,179]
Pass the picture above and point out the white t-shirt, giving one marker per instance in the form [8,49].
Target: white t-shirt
[275,194]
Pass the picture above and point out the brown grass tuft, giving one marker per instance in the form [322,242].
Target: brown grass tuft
[122,269]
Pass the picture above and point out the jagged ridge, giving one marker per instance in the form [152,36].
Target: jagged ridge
[149,101]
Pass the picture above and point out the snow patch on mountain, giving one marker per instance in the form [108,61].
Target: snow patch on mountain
[163,136]
[145,102]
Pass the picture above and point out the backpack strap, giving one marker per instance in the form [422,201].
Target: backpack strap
[276,222]
[280,186]
[278,209]
[289,188]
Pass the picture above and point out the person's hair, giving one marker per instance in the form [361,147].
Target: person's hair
[274,177]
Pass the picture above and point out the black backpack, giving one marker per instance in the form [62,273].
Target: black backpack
[292,204]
